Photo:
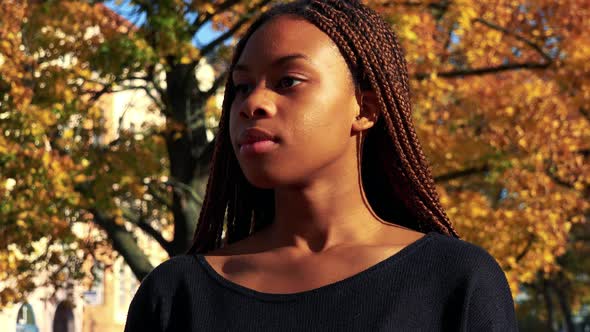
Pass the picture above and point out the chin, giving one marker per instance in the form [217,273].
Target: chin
[263,180]
[271,175]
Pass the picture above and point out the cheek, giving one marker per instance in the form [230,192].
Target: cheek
[316,131]
[318,137]
[324,121]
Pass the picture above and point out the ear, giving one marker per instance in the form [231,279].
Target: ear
[368,112]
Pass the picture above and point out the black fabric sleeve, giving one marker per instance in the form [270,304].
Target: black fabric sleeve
[142,314]
[490,306]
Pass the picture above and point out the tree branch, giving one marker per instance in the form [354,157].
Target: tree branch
[229,33]
[158,196]
[443,5]
[108,87]
[166,245]
[97,94]
[178,186]
[124,243]
[151,74]
[527,247]
[216,85]
[515,35]
[488,70]
[484,71]
[556,179]
[462,173]
[140,221]
[156,101]
[202,19]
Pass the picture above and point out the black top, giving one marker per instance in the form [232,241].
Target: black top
[437,283]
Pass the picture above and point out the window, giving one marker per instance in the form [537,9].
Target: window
[63,321]
[25,319]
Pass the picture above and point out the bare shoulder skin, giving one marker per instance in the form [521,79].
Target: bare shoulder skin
[250,263]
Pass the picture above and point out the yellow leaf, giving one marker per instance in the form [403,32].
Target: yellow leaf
[46,159]
[547,257]
[119,220]
[126,179]
[80,178]
[209,8]
[68,133]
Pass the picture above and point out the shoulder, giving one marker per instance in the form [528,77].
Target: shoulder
[179,274]
[169,284]
[464,256]
[458,246]
[485,300]
[176,264]
[171,273]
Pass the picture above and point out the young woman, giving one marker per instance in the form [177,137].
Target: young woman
[333,220]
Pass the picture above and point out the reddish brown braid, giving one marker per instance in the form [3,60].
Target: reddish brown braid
[367,35]
[385,36]
[391,150]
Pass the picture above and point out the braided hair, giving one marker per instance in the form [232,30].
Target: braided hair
[395,175]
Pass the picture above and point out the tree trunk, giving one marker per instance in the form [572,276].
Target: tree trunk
[560,291]
[184,149]
[548,305]
[125,244]
[189,155]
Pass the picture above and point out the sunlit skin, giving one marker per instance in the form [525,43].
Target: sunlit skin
[292,81]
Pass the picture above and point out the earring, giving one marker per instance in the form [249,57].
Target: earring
[360,151]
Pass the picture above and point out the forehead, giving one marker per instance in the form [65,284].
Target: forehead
[284,35]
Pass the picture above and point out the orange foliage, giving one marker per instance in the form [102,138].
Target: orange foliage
[501,90]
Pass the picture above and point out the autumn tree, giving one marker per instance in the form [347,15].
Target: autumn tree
[501,93]
[58,59]
[555,298]
[36,188]
[500,102]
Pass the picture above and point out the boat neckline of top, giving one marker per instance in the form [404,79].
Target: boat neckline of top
[324,288]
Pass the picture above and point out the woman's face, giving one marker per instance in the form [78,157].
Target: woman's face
[293,83]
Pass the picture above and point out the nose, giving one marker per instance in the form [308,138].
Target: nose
[258,104]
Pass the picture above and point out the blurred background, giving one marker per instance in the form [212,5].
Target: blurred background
[108,112]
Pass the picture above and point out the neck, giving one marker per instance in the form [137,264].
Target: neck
[323,214]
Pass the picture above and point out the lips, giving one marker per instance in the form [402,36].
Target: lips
[253,135]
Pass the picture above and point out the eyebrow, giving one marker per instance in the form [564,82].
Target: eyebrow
[280,61]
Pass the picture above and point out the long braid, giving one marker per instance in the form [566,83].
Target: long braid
[392,149]
[203,240]
[402,67]
[329,28]
[385,37]
[401,94]
[372,67]
[397,174]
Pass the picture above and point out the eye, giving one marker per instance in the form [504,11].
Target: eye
[243,88]
[288,82]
